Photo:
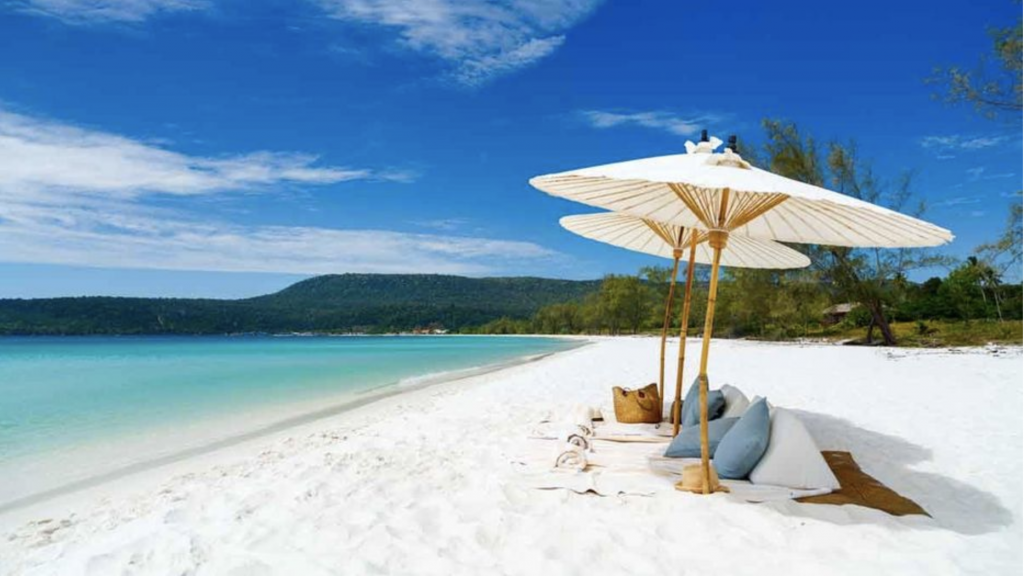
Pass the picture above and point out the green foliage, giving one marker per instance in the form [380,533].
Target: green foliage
[941,333]
[505,326]
[1005,252]
[779,305]
[994,86]
[874,278]
[336,303]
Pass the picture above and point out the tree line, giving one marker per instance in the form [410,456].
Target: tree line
[771,305]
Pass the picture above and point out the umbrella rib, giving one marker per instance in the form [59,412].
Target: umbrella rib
[911,225]
[692,201]
[626,229]
[755,208]
[658,229]
[796,214]
[615,187]
[867,221]
[837,225]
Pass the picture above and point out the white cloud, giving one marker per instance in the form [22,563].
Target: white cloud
[1000,176]
[480,39]
[39,156]
[959,142]
[958,201]
[137,238]
[106,11]
[659,120]
[982,173]
[446,224]
[71,195]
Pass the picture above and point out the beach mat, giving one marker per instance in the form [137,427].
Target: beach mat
[857,487]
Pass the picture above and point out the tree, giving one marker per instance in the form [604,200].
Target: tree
[563,318]
[625,301]
[871,277]
[993,90]
[659,278]
[1005,251]
[963,290]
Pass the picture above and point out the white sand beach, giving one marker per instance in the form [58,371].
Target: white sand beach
[424,482]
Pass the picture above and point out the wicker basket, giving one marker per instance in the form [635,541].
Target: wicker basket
[637,406]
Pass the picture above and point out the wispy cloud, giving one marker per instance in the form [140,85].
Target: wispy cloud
[478,39]
[106,11]
[445,224]
[952,142]
[976,172]
[475,40]
[957,201]
[658,120]
[138,238]
[39,156]
[981,173]
[73,195]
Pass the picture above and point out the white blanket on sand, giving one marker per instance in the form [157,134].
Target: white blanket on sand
[616,432]
[579,421]
[639,469]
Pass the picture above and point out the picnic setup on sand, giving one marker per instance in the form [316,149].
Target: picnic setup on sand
[716,209]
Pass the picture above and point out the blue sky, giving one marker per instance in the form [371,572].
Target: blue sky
[225,148]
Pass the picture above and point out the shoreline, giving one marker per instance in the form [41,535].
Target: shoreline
[351,401]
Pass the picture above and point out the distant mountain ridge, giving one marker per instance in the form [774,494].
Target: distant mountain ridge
[373,303]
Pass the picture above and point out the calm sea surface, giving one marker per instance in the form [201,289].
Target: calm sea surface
[63,397]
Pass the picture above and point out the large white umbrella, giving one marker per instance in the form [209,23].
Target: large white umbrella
[725,195]
[669,241]
[722,192]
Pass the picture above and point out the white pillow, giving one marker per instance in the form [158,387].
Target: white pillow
[736,402]
[792,459]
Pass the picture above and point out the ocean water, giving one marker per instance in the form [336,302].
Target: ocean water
[75,407]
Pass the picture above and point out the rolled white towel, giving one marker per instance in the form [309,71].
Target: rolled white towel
[579,441]
[571,457]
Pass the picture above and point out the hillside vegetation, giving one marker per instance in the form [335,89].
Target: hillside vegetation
[371,303]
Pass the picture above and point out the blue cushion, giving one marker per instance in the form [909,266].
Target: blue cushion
[691,405]
[687,443]
[743,445]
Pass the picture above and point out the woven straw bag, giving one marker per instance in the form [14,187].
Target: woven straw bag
[637,406]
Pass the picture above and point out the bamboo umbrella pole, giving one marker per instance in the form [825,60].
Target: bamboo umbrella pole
[676,254]
[717,239]
[684,322]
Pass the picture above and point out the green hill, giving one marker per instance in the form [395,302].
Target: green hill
[333,303]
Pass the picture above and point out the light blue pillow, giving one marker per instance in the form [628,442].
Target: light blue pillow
[687,443]
[744,444]
[691,405]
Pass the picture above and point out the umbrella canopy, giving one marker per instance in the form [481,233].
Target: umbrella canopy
[668,241]
[659,239]
[688,189]
[726,196]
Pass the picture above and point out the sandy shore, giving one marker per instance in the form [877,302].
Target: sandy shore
[422,482]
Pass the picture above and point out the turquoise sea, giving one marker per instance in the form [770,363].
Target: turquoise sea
[121,400]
